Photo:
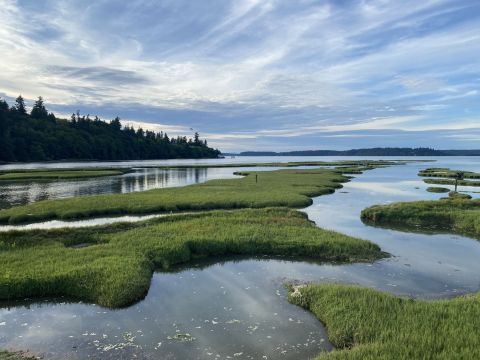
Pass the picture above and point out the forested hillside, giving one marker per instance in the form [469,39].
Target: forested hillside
[38,135]
[421,151]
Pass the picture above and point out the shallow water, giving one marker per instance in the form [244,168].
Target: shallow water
[238,309]
[14,193]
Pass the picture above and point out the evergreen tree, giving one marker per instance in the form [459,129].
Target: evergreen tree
[115,123]
[3,105]
[29,138]
[39,111]
[20,105]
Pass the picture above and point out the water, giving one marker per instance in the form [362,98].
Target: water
[238,308]
[14,193]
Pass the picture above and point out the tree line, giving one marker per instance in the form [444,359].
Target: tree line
[39,135]
[384,151]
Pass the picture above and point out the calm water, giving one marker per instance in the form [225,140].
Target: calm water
[238,309]
[14,193]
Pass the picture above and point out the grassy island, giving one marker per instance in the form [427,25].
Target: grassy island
[434,189]
[289,187]
[367,324]
[446,176]
[15,355]
[54,174]
[454,214]
[112,265]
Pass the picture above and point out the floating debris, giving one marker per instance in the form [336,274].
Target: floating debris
[181,337]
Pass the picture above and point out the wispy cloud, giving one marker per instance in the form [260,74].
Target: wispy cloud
[253,73]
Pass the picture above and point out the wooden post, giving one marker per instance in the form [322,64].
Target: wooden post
[256,178]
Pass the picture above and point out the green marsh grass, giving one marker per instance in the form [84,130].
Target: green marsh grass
[446,176]
[290,188]
[115,270]
[455,215]
[16,355]
[367,324]
[447,173]
[451,182]
[58,174]
[434,189]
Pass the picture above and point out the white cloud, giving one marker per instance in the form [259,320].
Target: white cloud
[298,68]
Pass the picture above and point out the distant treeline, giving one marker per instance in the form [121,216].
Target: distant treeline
[39,135]
[367,152]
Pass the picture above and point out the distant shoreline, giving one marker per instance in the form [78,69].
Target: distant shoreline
[363,152]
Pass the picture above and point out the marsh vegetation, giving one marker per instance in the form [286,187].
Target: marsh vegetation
[434,189]
[367,324]
[116,269]
[290,188]
[55,174]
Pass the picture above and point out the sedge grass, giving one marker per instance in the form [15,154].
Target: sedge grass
[367,324]
[116,268]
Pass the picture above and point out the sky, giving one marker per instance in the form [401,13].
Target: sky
[274,75]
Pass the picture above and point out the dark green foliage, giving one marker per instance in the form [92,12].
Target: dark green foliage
[40,136]
[38,110]
[116,268]
[354,152]
[20,105]
[368,324]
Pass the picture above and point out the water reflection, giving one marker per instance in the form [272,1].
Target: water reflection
[238,309]
[232,310]
[19,193]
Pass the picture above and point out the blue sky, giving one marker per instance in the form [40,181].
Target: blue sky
[255,74]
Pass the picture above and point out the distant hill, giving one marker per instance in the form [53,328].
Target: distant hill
[365,152]
[40,136]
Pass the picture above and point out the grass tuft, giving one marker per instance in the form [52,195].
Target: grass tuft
[437,189]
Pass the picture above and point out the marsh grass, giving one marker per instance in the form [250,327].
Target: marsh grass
[434,189]
[455,215]
[451,182]
[352,163]
[447,173]
[290,188]
[367,324]
[58,174]
[116,269]
[446,176]
[16,355]
[455,195]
